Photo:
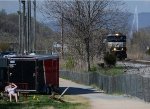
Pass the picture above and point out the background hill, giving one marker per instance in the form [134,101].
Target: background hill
[143,20]
[9,31]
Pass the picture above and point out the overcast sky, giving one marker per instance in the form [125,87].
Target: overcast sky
[143,5]
[11,6]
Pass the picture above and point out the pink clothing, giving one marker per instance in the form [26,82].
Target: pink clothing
[11,90]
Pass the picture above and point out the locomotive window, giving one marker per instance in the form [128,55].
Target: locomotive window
[116,38]
[121,39]
[111,39]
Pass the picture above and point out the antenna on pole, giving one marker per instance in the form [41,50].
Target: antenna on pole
[29,26]
[34,32]
[62,32]
[19,41]
[23,27]
[25,30]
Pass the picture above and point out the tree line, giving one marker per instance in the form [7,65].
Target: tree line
[139,46]
[9,33]
[84,25]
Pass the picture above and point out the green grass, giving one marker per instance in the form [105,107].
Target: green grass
[41,102]
[112,71]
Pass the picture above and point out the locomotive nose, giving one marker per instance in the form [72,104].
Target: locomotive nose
[119,45]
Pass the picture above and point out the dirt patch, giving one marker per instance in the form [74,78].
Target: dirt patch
[76,99]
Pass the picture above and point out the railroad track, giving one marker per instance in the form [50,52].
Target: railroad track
[138,61]
[140,67]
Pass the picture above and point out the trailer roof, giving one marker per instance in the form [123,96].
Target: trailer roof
[33,57]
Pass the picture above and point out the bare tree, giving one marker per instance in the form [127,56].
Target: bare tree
[85,18]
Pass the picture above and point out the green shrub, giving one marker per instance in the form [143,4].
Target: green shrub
[110,59]
[4,46]
[148,52]
[93,68]
[70,63]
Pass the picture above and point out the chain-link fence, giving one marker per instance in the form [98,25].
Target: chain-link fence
[131,84]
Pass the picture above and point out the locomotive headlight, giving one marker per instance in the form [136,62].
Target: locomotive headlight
[122,49]
[115,49]
[117,34]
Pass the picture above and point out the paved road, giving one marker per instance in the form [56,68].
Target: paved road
[99,100]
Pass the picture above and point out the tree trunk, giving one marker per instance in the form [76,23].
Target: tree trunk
[88,53]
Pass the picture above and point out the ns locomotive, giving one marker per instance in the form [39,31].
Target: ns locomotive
[116,44]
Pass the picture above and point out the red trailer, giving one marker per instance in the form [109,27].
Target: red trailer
[38,72]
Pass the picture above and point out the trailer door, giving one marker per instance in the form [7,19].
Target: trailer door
[51,72]
[23,72]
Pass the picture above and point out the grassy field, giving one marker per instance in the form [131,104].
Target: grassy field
[44,102]
[117,70]
[110,71]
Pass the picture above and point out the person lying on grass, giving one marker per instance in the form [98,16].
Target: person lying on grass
[11,91]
